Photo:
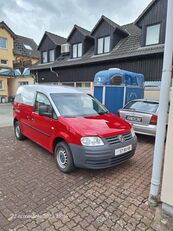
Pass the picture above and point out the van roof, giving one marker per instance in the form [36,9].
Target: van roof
[47,89]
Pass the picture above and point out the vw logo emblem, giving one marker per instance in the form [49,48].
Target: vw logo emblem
[121,138]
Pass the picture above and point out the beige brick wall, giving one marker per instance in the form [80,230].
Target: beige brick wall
[7,53]
[4,90]
[152,93]
[13,84]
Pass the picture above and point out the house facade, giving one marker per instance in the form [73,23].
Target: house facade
[136,47]
[17,54]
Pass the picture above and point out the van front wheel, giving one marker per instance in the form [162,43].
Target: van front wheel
[63,157]
[17,131]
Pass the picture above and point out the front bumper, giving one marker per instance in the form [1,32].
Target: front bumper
[101,156]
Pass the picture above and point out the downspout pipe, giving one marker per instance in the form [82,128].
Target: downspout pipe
[56,73]
[163,109]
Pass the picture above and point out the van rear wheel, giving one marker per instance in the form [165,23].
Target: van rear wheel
[63,157]
[17,131]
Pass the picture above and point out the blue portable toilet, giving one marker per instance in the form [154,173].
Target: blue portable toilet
[115,87]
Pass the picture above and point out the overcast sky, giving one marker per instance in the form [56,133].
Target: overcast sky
[32,17]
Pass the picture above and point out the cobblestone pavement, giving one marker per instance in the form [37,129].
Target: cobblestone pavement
[6,114]
[35,195]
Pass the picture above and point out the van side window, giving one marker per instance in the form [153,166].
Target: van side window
[42,100]
[25,96]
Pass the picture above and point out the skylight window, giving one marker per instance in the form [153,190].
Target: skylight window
[28,47]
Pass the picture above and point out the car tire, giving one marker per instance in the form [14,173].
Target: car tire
[63,157]
[17,131]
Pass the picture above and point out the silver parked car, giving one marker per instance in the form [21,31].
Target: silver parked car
[142,114]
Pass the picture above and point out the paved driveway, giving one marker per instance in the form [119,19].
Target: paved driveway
[35,195]
[5,114]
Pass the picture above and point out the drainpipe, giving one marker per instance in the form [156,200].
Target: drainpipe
[163,108]
[56,73]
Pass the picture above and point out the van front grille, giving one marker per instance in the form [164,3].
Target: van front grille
[116,139]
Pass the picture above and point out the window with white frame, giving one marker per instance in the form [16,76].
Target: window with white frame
[1,85]
[51,55]
[3,42]
[21,83]
[44,56]
[77,50]
[70,84]
[100,46]
[103,45]
[4,61]
[152,34]
[83,84]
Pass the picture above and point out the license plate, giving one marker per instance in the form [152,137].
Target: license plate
[120,151]
[134,118]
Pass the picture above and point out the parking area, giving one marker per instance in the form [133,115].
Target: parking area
[5,114]
[35,195]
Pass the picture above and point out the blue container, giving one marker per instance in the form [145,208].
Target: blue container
[116,87]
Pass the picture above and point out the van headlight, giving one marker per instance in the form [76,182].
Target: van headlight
[132,132]
[91,141]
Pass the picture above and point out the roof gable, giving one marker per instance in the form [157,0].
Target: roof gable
[56,39]
[22,45]
[81,30]
[4,26]
[25,46]
[145,11]
[114,25]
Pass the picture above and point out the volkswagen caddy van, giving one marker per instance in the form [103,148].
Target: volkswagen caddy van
[72,125]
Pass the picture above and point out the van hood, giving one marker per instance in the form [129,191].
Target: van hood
[100,125]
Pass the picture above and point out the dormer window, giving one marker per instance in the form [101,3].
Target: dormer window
[44,56]
[77,50]
[51,56]
[103,45]
[152,34]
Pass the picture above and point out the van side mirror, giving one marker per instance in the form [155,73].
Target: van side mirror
[43,111]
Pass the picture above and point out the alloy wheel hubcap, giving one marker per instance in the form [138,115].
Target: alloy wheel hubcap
[17,131]
[62,157]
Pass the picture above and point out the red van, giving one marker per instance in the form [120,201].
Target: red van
[72,125]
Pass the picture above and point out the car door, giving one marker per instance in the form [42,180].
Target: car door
[43,126]
[23,107]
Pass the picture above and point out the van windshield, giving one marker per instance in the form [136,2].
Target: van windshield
[75,105]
